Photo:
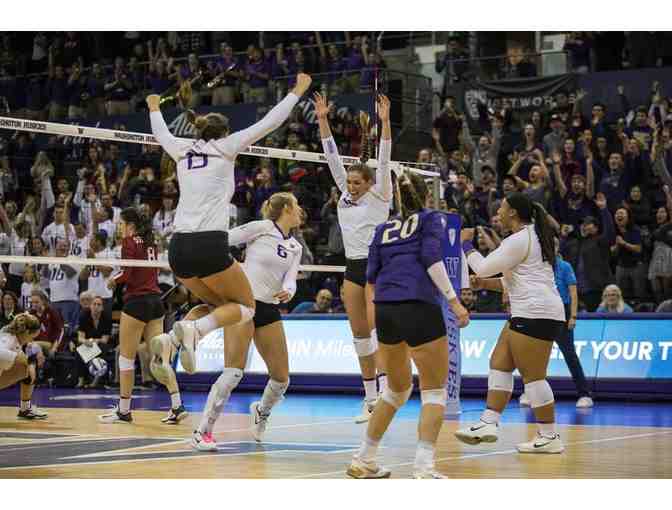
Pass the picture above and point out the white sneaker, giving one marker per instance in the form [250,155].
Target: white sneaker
[542,444]
[258,422]
[481,432]
[523,401]
[188,336]
[367,410]
[584,402]
[203,441]
[453,409]
[115,416]
[428,474]
[361,469]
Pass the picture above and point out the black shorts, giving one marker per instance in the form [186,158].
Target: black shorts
[145,308]
[413,322]
[199,254]
[543,329]
[355,271]
[265,314]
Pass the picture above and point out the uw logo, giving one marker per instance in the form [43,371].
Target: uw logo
[452,234]
[65,450]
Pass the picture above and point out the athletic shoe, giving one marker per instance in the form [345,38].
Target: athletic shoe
[367,410]
[188,336]
[428,474]
[116,416]
[258,421]
[481,432]
[453,409]
[175,416]
[584,402]
[523,401]
[542,444]
[203,441]
[360,469]
[32,413]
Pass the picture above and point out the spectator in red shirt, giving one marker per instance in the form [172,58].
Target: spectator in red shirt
[50,337]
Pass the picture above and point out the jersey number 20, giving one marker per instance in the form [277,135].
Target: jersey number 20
[398,230]
[196,160]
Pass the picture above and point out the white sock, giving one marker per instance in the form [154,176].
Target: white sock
[25,405]
[370,392]
[382,382]
[424,455]
[368,449]
[175,400]
[547,429]
[124,405]
[490,416]
[273,393]
[206,324]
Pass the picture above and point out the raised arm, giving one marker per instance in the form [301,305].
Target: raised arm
[240,140]
[383,184]
[510,253]
[169,143]
[336,167]
[249,232]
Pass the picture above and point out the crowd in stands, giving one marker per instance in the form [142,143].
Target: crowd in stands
[606,188]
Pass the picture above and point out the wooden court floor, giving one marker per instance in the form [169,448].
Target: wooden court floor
[72,444]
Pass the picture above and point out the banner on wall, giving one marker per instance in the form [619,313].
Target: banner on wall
[607,348]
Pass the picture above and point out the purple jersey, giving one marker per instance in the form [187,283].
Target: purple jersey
[401,252]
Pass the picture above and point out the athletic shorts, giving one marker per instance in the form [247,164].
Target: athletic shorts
[355,271]
[145,308]
[542,329]
[413,322]
[265,314]
[199,254]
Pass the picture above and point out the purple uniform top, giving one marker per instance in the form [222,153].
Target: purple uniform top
[401,252]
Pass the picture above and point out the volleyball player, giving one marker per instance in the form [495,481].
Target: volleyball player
[143,311]
[18,361]
[405,269]
[272,262]
[526,259]
[364,204]
[206,179]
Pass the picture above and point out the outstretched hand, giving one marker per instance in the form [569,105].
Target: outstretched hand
[153,102]
[322,108]
[383,108]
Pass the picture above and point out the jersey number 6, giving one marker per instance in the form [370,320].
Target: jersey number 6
[405,229]
[282,253]
[196,160]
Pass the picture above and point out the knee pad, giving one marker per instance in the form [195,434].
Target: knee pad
[126,364]
[246,314]
[227,381]
[436,396]
[395,399]
[539,393]
[500,381]
[365,346]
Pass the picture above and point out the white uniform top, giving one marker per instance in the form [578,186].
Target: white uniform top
[166,276]
[529,280]
[18,248]
[98,282]
[79,247]
[110,228]
[163,223]
[9,348]
[359,219]
[54,233]
[26,291]
[205,169]
[271,259]
[62,287]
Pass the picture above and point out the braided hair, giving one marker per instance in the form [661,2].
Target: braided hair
[529,212]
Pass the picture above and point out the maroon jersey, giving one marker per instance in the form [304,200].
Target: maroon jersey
[139,281]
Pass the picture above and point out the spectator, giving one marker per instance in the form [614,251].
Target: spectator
[612,301]
[119,89]
[164,218]
[639,207]
[555,140]
[538,188]
[97,276]
[446,128]
[526,149]
[31,282]
[95,328]
[257,75]
[57,91]
[19,240]
[10,308]
[630,267]
[453,64]
[191,73]
[80,244]
[660,269]
[579,45]
[64,289]
[75,88]
[227,77]
[50,338]
[517,65]
[335,250]
[59,230]
[322,304]
[588,253]
[468,300]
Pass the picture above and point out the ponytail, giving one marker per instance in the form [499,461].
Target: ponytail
[142,224]
[544,233]
[208,127]
[366,142]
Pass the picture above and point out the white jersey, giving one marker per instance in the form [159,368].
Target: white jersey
[9,348]
[271,259]
[529,280]
[80,246]
[53,233]
[61,286]
[359,219]
[110,228]
[166,276]
[18,249]
[97,282]
[163,223]
[205,169]
[26,291]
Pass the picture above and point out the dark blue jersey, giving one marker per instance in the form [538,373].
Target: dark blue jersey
[401,252]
